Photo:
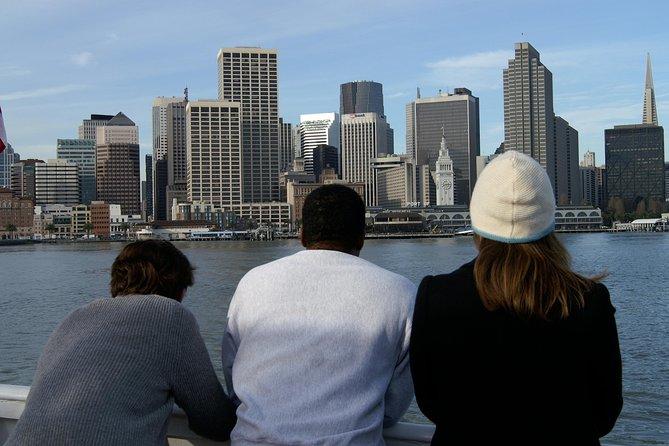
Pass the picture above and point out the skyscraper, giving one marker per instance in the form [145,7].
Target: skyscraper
[57,182]
[286,148]
[88,128]
[588,159]
[325,157]
[82,153]
[248,76]
[169,145]
[528,108]
[567,183]
[214,152]
[148,192]
[395,181]
[316,129]
[649,107]
[365,97]
[117,164]
[361,97]
[635,168]
[363,138]
[457,114]
[23,178]
[7,158]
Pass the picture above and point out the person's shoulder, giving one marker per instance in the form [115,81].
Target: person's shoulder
[392,280]
[461,277]
[454,289]
[598,299]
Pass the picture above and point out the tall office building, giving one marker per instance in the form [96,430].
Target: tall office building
[457,114]
[588,159]
[528,108]
[567,182]
[248,76]
[363,138]
[325,157]
[215,160]
[365,97]
[82,153]
[286,147]
[7,158]
[395,181]
[117,164]
[57,182]
[148,191]
[666,181]
[169,150]
[23,178]
[635,168]
[314,130]
[361,97]
[649,107]
[88,128]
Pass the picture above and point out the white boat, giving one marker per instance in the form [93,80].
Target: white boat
[12,402]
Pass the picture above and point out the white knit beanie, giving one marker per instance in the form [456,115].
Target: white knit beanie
[513,200]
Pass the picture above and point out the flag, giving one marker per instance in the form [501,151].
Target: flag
[3,134]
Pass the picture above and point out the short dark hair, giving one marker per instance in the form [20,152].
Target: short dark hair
[333,216]
[151,267]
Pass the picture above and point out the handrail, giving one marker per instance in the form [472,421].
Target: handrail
[12,402]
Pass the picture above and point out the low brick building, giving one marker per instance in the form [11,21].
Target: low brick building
[17,212]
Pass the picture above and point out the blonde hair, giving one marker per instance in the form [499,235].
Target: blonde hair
[532,280]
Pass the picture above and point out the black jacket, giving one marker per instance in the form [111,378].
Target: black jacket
[493,378]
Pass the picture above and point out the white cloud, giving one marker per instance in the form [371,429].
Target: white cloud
[475,71]
[399,94]
[40,92]
[13,71]
[82,59]
[111,37]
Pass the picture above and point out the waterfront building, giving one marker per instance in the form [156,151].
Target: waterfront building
[23,178]
[426,188]
[117,164]
[88,128]
[286,146]
[215,159]
[296,173]
[395,181]
[147,196]
[567,178]
[248,76]
[175,193]
[99,211]
[528,108]
[245,214]
[314,130]
[17,212]
[297,192]
[588,159]
[455,116]
[363,138]
[324,157]
[82,153]
[57,182]
[7,158]
[649,107]
[81,218]
[444,176]
[635,168]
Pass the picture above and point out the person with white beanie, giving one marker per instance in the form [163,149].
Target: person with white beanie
[515,347]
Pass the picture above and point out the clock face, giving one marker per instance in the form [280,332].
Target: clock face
[446,184]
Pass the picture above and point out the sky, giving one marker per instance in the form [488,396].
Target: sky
[62,60]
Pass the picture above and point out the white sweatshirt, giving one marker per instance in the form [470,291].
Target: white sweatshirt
[317,351]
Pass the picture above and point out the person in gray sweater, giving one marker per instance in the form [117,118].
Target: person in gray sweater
[111,371]
[316,350]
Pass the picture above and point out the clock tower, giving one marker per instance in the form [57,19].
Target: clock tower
[444,177]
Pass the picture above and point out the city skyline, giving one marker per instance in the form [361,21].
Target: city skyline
[606,91]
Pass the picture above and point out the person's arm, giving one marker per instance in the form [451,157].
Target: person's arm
[228,354]
[421,354]
[605,377]
[400,389]
[195,385]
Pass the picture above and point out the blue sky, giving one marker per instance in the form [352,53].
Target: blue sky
[62,60]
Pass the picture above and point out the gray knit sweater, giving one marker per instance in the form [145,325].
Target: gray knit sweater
[111,371]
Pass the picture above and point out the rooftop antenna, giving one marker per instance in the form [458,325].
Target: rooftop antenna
[186,94]
[417,92]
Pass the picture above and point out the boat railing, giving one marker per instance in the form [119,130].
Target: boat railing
[13,398]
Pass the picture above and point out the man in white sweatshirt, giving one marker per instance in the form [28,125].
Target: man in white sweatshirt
[316,350]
